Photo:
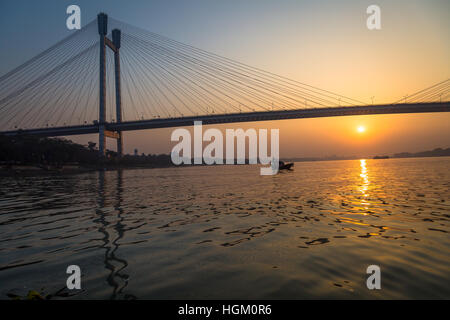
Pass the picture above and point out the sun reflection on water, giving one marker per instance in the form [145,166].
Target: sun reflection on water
[365,182]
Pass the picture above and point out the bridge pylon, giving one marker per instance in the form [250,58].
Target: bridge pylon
[114,45]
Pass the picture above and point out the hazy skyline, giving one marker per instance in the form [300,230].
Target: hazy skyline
[321,43]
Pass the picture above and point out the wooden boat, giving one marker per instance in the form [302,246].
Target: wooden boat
[285,166]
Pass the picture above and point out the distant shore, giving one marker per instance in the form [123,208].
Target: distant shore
[29,155]
[438,152]
[34,170]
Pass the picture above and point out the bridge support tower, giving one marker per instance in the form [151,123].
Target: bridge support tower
[114,45]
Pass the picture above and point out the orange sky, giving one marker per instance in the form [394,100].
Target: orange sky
[325,44]
[330,47]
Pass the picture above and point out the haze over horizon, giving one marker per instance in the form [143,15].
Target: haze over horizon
[323,43]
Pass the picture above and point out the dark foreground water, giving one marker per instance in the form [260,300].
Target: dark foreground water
[227,232]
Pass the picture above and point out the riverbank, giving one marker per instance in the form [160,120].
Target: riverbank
[31,170]
[34,170]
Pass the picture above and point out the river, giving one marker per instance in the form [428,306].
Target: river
[226,232]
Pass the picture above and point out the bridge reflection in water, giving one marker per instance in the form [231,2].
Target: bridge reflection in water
[118,278]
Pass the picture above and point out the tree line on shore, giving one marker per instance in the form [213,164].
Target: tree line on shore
[32,150]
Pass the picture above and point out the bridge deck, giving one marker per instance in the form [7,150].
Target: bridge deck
[238,117]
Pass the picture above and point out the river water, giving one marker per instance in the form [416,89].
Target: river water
[226,232]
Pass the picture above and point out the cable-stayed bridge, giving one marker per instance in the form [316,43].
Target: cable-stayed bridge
[96,81]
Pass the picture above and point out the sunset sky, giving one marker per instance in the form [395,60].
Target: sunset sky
[322,43]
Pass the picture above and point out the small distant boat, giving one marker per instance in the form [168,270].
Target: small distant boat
[285,166]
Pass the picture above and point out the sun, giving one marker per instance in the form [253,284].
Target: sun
[361,129]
